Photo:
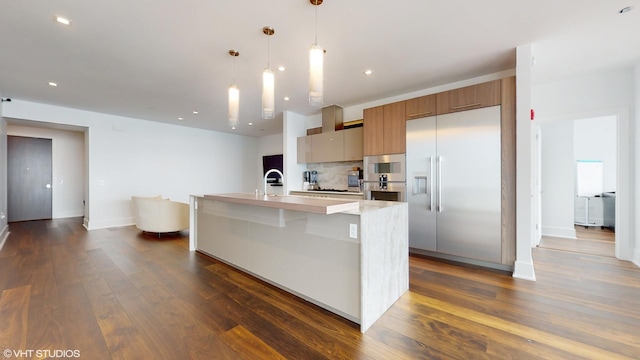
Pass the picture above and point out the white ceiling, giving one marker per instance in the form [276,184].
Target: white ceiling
[162,59]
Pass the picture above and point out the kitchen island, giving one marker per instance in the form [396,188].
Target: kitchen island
[349,257]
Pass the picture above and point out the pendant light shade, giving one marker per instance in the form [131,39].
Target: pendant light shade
[268,94]
[234,105]
[268,82]
[316,59]
[316,64]
[234,95]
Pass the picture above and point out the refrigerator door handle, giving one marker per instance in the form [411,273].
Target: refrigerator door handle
[431,184]
[440,207]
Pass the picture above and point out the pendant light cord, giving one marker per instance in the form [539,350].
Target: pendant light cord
[234,69]
[316,23]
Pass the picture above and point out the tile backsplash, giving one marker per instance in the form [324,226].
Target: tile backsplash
[333,175]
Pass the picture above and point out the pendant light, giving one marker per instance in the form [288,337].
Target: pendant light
[268,82]
[234,95]
[316,59]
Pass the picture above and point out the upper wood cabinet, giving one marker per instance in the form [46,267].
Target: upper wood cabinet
[420,107]
[470,97]
[373,130]
[384,129]
[395,128]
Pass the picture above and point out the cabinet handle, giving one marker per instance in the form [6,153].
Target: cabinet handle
[440,207]
[457,107]
[431,195]
[413,116]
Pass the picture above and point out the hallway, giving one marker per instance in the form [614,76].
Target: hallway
[591,241]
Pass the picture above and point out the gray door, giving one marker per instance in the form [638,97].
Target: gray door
[29,178]
[421,182]
[469,205]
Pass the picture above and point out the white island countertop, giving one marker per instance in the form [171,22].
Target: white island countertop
[298,203]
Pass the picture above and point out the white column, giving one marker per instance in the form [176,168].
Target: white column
[293,125]
[4,229]
[635,128]
[524,183]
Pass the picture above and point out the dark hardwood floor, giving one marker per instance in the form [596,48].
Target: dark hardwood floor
[121,294]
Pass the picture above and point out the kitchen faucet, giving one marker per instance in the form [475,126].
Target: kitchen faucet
[267,174]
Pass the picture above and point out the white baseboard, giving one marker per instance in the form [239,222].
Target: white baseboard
[567,233]
[524,271]
[636,258]
[4,234]
[109,223]
[68,214]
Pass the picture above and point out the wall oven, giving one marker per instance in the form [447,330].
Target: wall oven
[385,177]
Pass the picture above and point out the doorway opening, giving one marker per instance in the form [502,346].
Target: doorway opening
[574,153]
[67,185]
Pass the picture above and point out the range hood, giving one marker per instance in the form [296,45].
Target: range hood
[332,118]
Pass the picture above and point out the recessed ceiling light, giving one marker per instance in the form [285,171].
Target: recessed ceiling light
[625,10]
[180,118]
[62,20]
[286,98]
[250,124]
[51,83]
[195,112]
[233,128]
[282,68]
[368,72]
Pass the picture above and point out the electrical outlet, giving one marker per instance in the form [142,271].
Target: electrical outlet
[353,231]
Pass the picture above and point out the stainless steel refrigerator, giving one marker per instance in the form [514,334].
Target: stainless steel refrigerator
[454,184]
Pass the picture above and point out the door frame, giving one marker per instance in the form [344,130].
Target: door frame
[623,239]
[37,154]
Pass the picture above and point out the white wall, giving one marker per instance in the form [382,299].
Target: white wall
[268,145]
[594,95]
[558,171]
[135,157]
[294,126]
[595,139]
[68,167]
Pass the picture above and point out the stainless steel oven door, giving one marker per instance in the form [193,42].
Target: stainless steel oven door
[394,191]
[393,166]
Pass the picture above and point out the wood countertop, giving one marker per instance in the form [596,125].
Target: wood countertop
[297,203]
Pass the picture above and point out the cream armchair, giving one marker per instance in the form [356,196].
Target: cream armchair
[158,215]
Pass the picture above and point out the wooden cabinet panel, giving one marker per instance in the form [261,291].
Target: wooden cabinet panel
[394,129]
[353,143]
[468,98]
[373,130]
[508,148]
[384,129]
[420,107]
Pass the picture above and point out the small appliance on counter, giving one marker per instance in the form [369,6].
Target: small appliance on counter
[310,179]
[354,180]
